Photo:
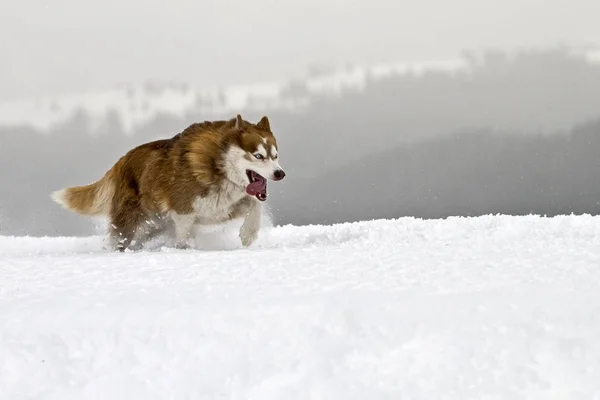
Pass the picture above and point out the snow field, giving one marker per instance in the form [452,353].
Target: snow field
[494,307]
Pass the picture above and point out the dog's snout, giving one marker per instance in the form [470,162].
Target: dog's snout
[278,175]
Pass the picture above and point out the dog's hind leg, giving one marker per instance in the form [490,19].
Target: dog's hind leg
[147,230]
[127,224]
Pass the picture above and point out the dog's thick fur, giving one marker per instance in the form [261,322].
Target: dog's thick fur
[199,176]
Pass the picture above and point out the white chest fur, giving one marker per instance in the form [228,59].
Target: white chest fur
[216,207]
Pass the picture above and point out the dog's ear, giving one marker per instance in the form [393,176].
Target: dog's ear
[264,124]
[239,122]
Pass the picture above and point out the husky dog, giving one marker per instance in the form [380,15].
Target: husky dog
[210,173]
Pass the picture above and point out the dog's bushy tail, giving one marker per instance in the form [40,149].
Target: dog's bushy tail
[93,199]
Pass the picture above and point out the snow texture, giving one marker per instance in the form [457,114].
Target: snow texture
[494,307]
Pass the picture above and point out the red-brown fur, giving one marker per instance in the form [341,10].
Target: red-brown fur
[164,176]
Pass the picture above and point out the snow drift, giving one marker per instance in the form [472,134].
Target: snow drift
[493,307]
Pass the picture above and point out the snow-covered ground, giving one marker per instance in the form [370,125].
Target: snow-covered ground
[494,307]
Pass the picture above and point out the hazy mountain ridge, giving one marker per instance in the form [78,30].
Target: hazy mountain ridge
[414,137]
[136,106]
[469,174]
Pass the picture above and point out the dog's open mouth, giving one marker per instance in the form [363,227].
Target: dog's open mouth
[257,186]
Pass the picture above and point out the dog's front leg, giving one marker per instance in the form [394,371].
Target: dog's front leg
[183,229]
[251,225]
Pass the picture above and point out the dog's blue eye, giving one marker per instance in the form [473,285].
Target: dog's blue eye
[259,156]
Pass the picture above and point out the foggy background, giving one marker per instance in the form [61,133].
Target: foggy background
[382,109]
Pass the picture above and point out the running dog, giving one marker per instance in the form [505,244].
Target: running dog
[210,173]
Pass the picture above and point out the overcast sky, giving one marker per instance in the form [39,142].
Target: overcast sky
[56,46]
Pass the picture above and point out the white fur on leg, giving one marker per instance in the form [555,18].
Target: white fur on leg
[251,225]
[183,228]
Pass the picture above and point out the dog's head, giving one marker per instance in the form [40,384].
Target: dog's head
[252,157]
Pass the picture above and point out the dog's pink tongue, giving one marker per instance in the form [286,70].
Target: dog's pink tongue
[258,187]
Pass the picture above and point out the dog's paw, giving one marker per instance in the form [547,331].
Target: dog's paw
[248,236]
[182,246]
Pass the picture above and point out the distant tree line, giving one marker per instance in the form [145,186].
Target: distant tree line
[468,174]
[516,134]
